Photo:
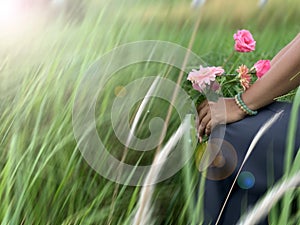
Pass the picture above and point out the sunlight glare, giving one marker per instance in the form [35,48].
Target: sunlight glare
[9,12]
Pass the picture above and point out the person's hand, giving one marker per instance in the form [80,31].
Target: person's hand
[224,111]
[205,123]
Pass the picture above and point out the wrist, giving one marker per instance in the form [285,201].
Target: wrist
[237,110]
[247,99]
[243,106]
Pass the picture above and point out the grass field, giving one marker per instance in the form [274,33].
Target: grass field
[43,177]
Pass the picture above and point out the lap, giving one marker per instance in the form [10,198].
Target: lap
[264,166]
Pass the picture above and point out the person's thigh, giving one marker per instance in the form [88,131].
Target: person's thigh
[263,167]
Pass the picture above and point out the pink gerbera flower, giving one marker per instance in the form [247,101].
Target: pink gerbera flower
[245,77]
[204,77]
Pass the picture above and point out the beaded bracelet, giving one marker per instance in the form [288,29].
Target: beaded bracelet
[243,106]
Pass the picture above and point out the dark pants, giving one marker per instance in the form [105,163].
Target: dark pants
[264,166]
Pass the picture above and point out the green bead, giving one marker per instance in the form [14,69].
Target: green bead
[244,106]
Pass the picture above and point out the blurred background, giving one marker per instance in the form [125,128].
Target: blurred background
[45,49]
[35,32]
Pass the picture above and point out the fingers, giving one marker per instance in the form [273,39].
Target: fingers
[203,109]
[208,128]
[210,114]
[204,119]
[203,112]
[202,105]
[203,125]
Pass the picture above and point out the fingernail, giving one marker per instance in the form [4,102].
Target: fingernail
[199,137]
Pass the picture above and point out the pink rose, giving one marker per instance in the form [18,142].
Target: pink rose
[204,77]
[244,41]
[261,67]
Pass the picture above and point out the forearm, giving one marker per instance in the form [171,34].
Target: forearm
[279,80]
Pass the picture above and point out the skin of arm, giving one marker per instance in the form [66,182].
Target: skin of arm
[279,80]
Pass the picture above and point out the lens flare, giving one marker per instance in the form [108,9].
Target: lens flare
[246,180]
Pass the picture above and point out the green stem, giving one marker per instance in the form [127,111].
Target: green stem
[286,95]
[229,57]
[234,65]
[230,81]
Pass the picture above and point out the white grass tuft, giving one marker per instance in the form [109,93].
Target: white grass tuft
[143,214]
[198,3]
[141,109]
[262,3]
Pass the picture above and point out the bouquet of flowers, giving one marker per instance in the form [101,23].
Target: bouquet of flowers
[211,81]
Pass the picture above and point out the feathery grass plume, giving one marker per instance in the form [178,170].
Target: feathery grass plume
[262,3]
[141,109]
[259,134]
[129,138]
[198,3]
[263,207]
[143,214]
